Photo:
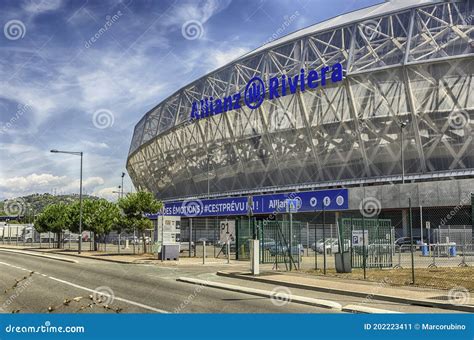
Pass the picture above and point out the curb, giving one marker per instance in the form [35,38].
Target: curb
[68,254]
[37,255]
[366,310]
[259,292]
[424,303]
[97,258]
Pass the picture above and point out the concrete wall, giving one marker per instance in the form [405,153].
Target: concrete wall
[426,194]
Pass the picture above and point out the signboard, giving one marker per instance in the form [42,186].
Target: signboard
[359,238]
[256,91]
[428,225]
[227,231]
[292,205]
[335,199]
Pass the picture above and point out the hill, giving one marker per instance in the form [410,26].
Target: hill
[35,203]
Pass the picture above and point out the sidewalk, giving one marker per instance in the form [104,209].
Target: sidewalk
[456,300]
[130,258]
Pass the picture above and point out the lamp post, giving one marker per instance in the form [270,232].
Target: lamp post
[119,193]
[402,125]
[77,153]
[121,187]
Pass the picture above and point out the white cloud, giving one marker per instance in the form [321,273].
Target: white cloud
[95,145]
[195,10]
[221,57]
[107,193]
[40,6]
[40,183]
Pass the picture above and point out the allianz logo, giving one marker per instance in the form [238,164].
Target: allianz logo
[256,91]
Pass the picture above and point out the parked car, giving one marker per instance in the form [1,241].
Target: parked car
[71,238]
[318,246]
[137,240]
[403,243]
[332,246]
[267,243]
[184,246]
[282,249]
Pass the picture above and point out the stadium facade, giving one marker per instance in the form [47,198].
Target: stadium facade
[376,102]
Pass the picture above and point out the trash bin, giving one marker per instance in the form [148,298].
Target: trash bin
[343,262]
[170,252]
[452,249]
[424,250]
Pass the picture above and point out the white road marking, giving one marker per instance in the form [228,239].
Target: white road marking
[130,302]
[14,251]
[115,297]
[11,265]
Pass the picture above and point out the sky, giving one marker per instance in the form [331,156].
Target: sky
[78,75]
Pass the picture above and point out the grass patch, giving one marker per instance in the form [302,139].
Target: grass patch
[440,278]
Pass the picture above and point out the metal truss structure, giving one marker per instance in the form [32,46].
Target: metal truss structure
[414,65]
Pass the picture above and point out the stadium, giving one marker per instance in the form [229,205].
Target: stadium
[369,107]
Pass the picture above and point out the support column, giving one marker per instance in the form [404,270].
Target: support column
[405,222]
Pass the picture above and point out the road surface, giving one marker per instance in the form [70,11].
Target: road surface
[30,284]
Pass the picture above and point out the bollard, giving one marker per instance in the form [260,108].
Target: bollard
[255,257]
[203,252]
[228,251]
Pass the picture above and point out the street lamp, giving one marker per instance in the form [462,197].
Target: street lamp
[121,188]
[403,125]
[78,153]
[117,192]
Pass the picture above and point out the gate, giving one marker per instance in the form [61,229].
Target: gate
[274,237]
[375,246]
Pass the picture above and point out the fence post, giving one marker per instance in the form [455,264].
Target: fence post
[315,247]
[411,243]
[307,238]
[364,261]
[463,264]
[190,236]
[421,224]
[324,239]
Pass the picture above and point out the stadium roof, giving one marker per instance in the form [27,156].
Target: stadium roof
[347,18]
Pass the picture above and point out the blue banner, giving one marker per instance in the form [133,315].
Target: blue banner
[336,199]
[240,326]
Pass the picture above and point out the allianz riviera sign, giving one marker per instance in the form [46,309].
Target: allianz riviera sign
[256,91]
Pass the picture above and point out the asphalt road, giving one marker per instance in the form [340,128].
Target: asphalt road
[60,287]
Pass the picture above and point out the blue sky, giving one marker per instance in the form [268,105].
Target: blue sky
[78,75]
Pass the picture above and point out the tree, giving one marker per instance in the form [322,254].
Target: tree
[98,216]
[54,218]
[135,206]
